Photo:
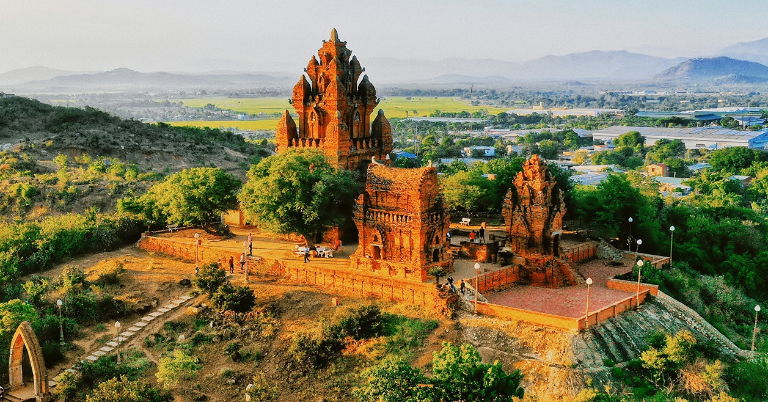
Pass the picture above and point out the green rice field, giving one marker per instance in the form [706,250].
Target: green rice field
[393,106]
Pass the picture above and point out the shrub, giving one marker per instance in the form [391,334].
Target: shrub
[210,278]
[52,353]
[363,323]
[124,390]
[315,352]
[239,299]
[260,390]
[176,367]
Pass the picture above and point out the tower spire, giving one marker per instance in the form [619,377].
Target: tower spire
[334,36]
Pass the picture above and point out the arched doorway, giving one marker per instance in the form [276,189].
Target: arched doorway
[25,338]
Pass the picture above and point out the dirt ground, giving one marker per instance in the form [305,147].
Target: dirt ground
[538,352]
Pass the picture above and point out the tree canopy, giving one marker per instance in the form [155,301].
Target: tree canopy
[191,196]
[458,375]
[300,192]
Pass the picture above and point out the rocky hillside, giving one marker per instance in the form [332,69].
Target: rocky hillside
[58,159]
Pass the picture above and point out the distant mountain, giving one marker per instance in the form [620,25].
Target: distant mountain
[35,73]
[756,51]
[595,66]
[123,79]
[720,69]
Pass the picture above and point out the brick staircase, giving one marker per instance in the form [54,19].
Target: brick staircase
[623,338]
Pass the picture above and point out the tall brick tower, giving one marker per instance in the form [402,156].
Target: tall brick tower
[335,111]
[533,210]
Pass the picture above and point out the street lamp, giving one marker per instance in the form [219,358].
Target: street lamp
[61,324]
[640,264]
[671,237]
[589,282]
[754,332]
[637,251]
[117,329]
[197,247]
[477,284]
[629,238]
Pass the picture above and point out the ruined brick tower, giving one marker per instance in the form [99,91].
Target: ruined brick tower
[335,111]
[402,221]
[533,211]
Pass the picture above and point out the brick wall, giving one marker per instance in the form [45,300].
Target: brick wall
[340,280]
[496,280]
[481,252]
[580,253]
[630,286]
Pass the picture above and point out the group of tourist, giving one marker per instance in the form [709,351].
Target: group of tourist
[477,236]
[452,287]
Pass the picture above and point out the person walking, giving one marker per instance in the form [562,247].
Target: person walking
[462,286]
[450,283]
[250,244]
[231,264]
[472,236]
[242,263]
[481,235]
[306,254]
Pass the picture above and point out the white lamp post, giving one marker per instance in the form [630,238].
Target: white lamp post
[637,250]
[589,283]
[197,247]
[629,238]
[754,332]
[671,238]
[477,284]
[61,324]
[117,329]
[640,264]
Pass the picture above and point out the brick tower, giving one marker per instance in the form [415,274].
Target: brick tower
[402,221]
[335,111]
[533,211]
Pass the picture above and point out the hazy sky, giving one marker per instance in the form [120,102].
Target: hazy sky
[194,35]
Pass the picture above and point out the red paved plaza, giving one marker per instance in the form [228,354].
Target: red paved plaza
[568,301]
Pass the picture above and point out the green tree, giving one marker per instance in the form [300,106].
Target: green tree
[176,367]
[460,375]
[729,122]
[468,191]
[13,313]
[632,139]
[733,159]
[298,192]
[394,380]
[191,196]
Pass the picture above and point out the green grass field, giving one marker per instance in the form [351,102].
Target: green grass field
[393,106]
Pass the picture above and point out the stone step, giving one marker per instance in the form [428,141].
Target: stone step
[92,358]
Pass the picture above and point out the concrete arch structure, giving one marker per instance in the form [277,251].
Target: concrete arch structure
[25,337]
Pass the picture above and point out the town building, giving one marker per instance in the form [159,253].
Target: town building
[334,108]
[488,152]
[710,137]
[658,169]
